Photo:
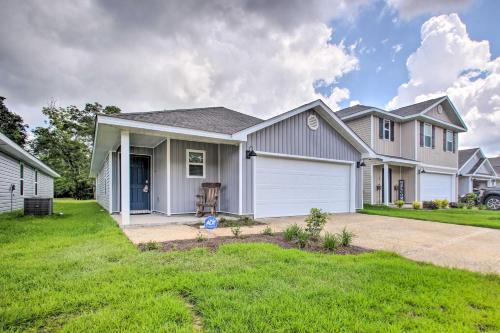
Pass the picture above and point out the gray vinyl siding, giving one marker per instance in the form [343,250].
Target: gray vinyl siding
[103,184]
[115,186]
[229,173]
[292,137]
[160,179]
[184,189]
[10,173]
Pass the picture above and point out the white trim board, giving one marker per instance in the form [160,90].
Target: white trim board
[301,157]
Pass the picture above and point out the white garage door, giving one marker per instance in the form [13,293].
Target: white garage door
[436,186]
[288,187]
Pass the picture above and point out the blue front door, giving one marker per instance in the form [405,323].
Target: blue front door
[140,185]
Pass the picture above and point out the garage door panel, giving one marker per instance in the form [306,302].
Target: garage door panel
[286,187]
[436,186]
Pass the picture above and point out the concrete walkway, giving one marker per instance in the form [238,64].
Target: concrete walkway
[449,245]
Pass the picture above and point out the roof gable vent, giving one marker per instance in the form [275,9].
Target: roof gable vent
[312,122]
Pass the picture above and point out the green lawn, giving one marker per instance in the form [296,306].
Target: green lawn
[474,217]
[78,272]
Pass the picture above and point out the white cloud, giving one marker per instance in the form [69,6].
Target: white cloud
[449,62]
[395,50]
[258,57]
[354,102]
[409,9]
[378,69]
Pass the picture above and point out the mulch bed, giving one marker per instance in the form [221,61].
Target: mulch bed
[213,243]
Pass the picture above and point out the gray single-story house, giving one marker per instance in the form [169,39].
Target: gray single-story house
[475,171]
[22,175]
[306,157]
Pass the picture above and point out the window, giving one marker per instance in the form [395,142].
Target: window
[21,179]
[427,135]
[449,141]
[195,163]
[387,129]
[36,182]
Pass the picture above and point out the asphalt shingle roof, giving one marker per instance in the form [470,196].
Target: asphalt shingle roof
[414,109]
[464,155]
[210,119]
[495,163]
[352,110]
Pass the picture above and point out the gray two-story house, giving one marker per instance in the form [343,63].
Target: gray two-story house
[416,147]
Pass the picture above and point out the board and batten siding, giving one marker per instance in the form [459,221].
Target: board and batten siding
[10,172]
[183,189]
[292,136]
[362,127]
[229,173]
[103,184]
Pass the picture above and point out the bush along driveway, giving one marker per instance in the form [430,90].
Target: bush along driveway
[77,272]
[463,216]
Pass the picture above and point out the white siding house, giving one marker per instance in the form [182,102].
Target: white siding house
[26,175]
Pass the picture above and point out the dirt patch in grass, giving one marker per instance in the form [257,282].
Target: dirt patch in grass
[214,243]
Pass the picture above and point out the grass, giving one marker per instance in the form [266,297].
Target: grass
[77,272]
[473,217]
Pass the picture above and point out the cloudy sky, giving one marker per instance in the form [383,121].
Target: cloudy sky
[258,57]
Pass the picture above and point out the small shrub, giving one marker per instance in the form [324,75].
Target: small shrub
[316,220]
[330,241]
[399,203]
[461,205]
[445,203]
[482,207]
[268,231]
[346,237]
[416,205]
[303,238]
[236,231]
[151,246]
[200,238]
[291,232]
[470,200]
[439,203]
[429,205]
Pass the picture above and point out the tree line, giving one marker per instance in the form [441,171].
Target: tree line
[64,144]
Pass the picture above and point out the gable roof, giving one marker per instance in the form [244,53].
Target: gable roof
[406,113]
[352,110]
[495,163]
[12,149]
[210,119]
[477,165]
[417,108]
[464,155]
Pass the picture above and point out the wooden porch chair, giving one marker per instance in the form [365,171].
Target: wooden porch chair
[207,197]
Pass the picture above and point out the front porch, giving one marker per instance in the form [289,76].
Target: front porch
[399,178]
[158,219]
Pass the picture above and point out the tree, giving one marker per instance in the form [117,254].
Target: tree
[66,146]
[12,125]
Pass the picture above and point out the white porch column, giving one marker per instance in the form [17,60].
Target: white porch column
[169,196]
[125,177]
[240,180]
[386,184]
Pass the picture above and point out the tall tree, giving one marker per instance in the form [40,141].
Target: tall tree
[12,125]
[65,145]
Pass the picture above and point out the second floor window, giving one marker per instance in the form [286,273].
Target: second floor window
[387,129]
[427,136]
[449,141]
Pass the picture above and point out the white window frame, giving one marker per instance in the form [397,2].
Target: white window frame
[36,183]
[429,126]
[449,140]
[204,164]
[386,130]
[21,178]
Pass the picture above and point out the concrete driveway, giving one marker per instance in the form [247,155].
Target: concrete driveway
[449,245]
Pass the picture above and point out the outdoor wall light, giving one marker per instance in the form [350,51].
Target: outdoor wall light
[250,153]
[360,164]
[421,171]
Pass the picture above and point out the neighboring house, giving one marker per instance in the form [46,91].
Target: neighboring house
[495,163]
[306,157]
[475,171]
[416,149]
[26,175]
